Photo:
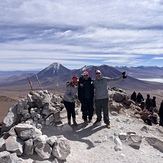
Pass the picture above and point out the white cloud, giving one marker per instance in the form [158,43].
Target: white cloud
[158,58]
[114,32]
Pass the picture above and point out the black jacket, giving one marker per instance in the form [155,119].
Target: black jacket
[161,111]
[85,89]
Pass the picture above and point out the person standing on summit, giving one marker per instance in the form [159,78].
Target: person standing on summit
[101,96]
[69,99]
[86,95]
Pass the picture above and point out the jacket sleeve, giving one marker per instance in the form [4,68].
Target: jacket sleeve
[113,79]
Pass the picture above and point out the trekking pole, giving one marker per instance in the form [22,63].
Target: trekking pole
[39,82]
[30,83]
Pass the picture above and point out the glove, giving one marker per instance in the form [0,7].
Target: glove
[124,75]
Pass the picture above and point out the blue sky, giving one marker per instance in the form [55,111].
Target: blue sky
[36,33]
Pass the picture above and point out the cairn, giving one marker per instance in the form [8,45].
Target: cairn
[21,133]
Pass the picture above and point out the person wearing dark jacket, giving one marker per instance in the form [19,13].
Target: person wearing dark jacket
[160,113]
[133,96]
[86,95]
[139,98]
[148,103]
[154,101]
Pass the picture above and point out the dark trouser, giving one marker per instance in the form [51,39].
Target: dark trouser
[87,108]
[102,105]
[70,107]
[161,122]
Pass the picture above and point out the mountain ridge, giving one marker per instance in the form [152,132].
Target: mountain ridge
[57,74]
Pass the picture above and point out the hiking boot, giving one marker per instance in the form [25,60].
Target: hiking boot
[108,126]
[74,122]
[69,122]
[90,121]
[85,121]
[97,122]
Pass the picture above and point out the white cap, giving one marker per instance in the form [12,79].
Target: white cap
[98,71]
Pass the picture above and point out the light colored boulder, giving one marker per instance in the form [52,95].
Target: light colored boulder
[115,106]
[26,131]
[29,97]
[44,150]
[51,140]
[61,149]
[6,157]
[46,99]
[118,144]
[12,131]
[14,144]
[10,118]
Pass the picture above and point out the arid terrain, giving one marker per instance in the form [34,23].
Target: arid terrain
[9,98]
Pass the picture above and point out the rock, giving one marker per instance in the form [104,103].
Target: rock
[29,98]
[135,145]
[136,138]
[119,96]
[123,136]
[57,117]
[61,149]
[114,113]
[127,101]
[137,115]
[12,131]
[2,144]
[26,131]
[10,119]
[49,120]
[115,106]
[36,97]
[6,157]
[47,161]
[118,146]
[44,150]
[14,145]
[46,99]
[28,147]
[156,143]
[145,129]
[51,140]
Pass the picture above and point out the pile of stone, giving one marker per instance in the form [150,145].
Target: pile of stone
[25,139]
[39,108]
[21,133]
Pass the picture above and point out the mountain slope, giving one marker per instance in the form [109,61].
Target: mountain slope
[57,74]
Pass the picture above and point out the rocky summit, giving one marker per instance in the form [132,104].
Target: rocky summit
[35,130]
